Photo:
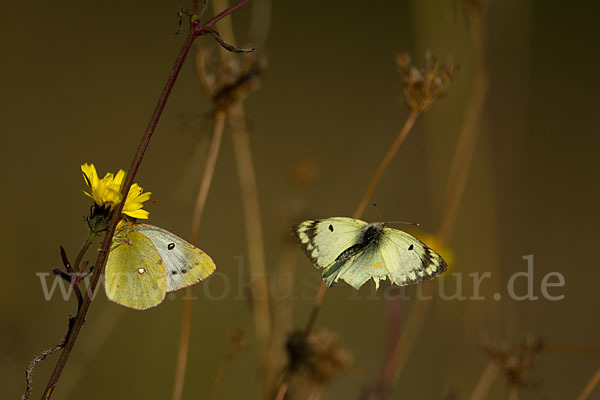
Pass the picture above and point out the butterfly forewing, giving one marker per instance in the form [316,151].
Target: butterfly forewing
[324,240]
[185,263]
[135,275]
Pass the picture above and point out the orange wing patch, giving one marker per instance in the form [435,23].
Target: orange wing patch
[377,265]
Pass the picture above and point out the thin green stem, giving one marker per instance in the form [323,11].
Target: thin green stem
[84,248]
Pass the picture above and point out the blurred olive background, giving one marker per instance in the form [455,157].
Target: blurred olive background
[80,80]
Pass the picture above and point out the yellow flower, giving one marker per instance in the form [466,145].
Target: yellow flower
[106,192]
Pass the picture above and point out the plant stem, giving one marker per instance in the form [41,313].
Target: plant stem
[389,156]
[220,376]
[513,392]
[46,353]
[186,321]
[459,171]
[252,220]
[589,387]
[78,321]
[408,336]
[385,162]
[485,381]
[254,238]
[103,254]
[469,133]
[312,319]
[84,248]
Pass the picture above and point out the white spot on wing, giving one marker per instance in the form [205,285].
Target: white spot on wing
[141,271]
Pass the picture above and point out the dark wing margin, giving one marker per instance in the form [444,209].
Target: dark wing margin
[305,233]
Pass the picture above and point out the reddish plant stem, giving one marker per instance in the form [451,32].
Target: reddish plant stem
[78,321]
[103,255]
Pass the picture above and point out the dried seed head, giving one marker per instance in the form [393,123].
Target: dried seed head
[515,359]
[422,86]
[231,82]
[237,340]
[304,171]
[316,360]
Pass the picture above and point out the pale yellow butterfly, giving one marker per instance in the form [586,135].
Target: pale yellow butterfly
[146,262]
[356,251]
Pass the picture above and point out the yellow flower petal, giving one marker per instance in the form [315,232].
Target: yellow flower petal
[89,175]
[106,192]
[120,178]
[140,214]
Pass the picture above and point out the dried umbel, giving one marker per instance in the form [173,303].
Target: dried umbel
[422,86]
[315,360]
[515,359]
[233,81]
[236,340]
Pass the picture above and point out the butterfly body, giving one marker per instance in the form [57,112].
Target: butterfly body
[356,251]
[146,262]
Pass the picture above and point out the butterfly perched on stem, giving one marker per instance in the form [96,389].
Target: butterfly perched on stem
[145,262]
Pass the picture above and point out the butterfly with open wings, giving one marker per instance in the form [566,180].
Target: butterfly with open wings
[356,251]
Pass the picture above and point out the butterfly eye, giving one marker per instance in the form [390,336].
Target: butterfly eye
[331,228]
[171,246]
[411,247]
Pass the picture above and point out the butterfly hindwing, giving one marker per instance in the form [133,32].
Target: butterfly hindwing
[135,275]
[185,263]
[324,240]
[408,259]
[359,269]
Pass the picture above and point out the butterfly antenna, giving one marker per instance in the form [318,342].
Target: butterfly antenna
[404,223]
[394,222]
[378,213]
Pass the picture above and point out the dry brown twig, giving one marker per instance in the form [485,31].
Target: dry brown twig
[236,343]
[485,381]
[459,171]
[228,87]
[590,386]
[186,323]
